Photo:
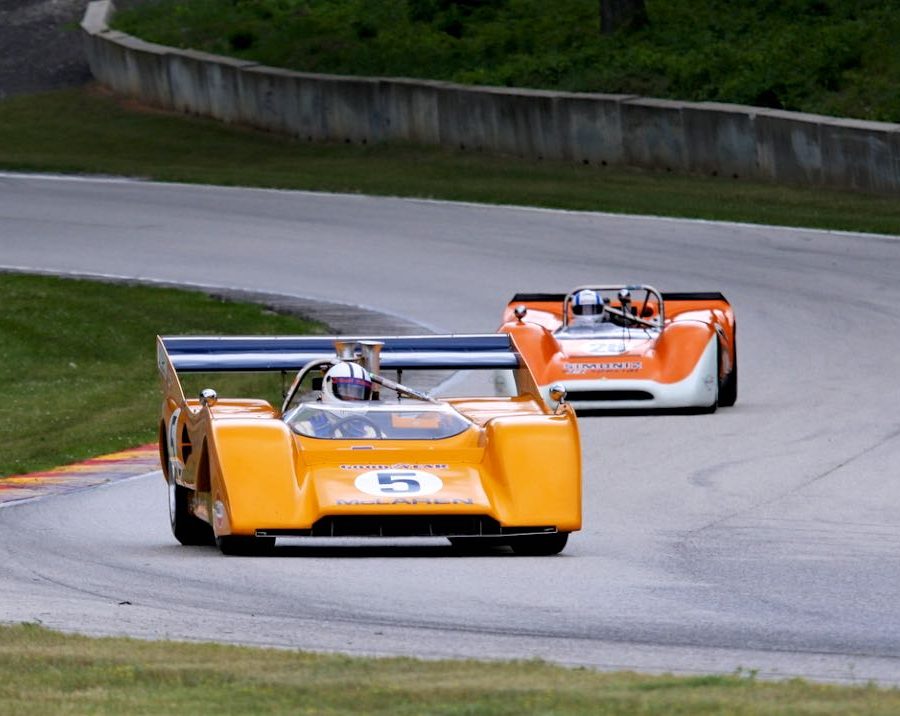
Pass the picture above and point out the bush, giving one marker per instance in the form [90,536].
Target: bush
[827,56]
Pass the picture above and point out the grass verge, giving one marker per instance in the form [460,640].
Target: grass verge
[48,672]
[79,372]
[87,132]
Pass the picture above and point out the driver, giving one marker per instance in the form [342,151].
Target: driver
[588,310]
[344,384]
[346,381]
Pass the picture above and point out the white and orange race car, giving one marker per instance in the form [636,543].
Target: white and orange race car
[626,347]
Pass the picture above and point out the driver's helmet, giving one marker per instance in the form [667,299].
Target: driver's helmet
[587,303]
[346,381]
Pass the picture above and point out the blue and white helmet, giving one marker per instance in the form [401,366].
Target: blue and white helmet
[346,381]
[587,303]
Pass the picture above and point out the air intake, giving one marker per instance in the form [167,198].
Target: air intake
[407,526]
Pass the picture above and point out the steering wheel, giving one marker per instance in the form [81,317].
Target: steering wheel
[355,420]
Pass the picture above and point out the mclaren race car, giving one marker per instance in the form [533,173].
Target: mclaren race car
[352,452]
[627,347]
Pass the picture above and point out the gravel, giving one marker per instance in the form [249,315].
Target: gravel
[41,44]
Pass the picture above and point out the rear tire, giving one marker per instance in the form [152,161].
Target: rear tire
[186,526]
[242,546]
[539,545]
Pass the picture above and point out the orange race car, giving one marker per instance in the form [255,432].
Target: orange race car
[627,347]
[351,452]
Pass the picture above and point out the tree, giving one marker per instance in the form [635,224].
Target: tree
[618,15]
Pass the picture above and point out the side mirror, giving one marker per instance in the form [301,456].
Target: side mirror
[208,397]
[558,396]
[520,312]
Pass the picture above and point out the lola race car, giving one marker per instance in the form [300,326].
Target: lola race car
[617,347]
[479,471]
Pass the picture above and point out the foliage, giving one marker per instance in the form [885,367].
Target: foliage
[836,57]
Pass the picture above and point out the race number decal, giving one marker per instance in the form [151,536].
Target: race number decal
[393,483]
[172,432]
[176,467]
[605,348]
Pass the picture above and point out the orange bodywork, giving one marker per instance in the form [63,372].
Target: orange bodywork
[515,467]
[682,363]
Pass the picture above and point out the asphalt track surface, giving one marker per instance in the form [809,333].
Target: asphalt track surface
[765,536]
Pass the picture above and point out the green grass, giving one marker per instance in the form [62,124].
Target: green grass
[835,57]
[47,672]
[82,131]
[79,372]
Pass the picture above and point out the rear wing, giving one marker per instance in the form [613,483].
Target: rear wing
[671,296]
[695,296]
[656,307]
[188,354]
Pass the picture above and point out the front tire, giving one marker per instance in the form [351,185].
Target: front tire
[186,526]
[539,545]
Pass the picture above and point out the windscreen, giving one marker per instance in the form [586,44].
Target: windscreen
[372,421]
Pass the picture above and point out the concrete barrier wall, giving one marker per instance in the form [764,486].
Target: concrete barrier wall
[688,137]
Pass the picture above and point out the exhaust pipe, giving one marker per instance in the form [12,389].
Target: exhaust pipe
[346,350]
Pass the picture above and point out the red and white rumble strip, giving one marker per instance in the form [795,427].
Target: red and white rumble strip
[90,473]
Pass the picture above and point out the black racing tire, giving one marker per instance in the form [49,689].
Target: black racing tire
[539,545]
[243,546]
[728,391]
[186,526]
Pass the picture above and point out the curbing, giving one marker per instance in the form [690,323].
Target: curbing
[687,137]
[101,470]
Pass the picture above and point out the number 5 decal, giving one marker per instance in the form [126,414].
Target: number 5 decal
[398,482]
[391,481]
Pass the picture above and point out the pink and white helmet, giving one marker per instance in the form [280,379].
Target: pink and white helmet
[346,381]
